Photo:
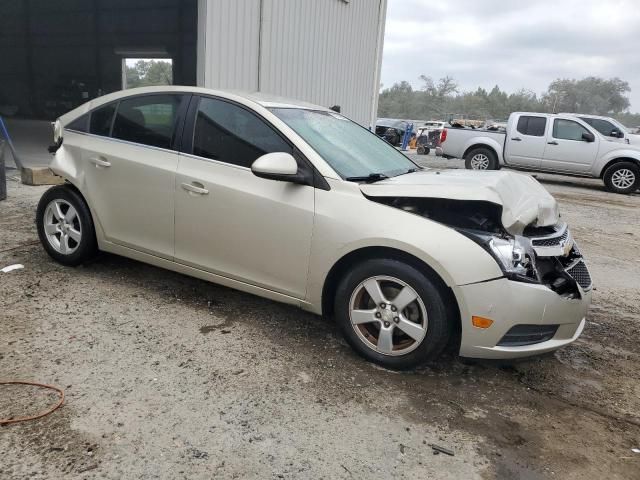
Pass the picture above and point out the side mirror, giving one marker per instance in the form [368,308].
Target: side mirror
[616,134]
[277,166]
[588,137]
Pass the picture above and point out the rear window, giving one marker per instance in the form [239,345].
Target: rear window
[533,126]
[149,120]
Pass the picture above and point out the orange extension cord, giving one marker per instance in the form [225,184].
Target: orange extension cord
[7,421]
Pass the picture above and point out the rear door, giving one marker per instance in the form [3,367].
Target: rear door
[230,222]
[526,141]
[566,148]
[130,165]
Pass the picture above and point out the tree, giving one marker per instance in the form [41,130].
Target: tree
[149,72]
[591,95]
[438,100]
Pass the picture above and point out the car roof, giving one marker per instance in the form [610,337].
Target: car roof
[586,115]
[263,99]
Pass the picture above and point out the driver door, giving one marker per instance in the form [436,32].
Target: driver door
[566,148]
[230,222]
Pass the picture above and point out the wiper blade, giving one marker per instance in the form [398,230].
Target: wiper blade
[372,177]
[410,170]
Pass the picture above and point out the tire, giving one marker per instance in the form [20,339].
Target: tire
[481,157]
[393,138]
[67,235]
[425,317]
[622,177]
[420,150]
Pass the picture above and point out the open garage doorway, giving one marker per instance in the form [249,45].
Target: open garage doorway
[146,72]
[57,55]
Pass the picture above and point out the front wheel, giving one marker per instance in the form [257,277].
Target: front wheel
[65,226]
[623,177]
[392,314]
[481,159]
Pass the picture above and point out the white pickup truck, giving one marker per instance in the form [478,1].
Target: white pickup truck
[559,143]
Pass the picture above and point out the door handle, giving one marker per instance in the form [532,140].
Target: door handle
[516,139]
[195,187]
[552,143]
[99,162]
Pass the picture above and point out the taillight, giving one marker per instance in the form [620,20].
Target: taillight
[443,135]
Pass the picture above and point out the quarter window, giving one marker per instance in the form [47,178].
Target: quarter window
[533,126]
[149,120]
[568,129]
[101,118]
[79,124]
[231,134]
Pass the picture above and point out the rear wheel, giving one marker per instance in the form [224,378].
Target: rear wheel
[65,226]
[622,177]
[392,314]
[481,159]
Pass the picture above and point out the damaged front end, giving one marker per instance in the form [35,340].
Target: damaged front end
[545,255]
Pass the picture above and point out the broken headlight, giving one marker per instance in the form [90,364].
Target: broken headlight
[514,255]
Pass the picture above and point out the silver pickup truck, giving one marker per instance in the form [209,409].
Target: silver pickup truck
[559,143]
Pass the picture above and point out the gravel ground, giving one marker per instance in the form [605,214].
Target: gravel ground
[171,377]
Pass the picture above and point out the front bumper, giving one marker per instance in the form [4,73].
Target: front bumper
[510,303]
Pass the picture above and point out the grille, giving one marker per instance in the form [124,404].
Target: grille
[580,274]
[521,335]
[551,242]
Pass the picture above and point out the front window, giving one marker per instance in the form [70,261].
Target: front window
[232,134]
[352,151]
[606,128]
[568,130]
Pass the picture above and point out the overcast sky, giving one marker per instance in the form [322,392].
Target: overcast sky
[512,43]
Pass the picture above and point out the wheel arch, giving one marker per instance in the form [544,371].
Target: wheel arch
[340,268]
[612,162]
[97,227]
[481,145]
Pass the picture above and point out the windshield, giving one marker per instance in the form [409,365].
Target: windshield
[350,149]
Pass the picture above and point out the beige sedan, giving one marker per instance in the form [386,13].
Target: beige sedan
[298,204]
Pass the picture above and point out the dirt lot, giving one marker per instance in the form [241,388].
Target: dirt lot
[171,377]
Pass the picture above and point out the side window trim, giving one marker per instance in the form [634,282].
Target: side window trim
[113,119]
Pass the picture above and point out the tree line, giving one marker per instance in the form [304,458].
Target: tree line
[145,73]
[442,100]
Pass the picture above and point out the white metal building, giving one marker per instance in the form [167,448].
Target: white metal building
[57,55]
[326,52]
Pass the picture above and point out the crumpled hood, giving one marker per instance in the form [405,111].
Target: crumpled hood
[524,201]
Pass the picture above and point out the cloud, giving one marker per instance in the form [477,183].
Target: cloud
[514,44]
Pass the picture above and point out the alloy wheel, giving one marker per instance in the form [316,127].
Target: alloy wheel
[479,162]
[623,178]
[62,226]
[388,315]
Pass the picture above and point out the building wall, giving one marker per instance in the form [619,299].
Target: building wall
[322,51]
[52,50]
